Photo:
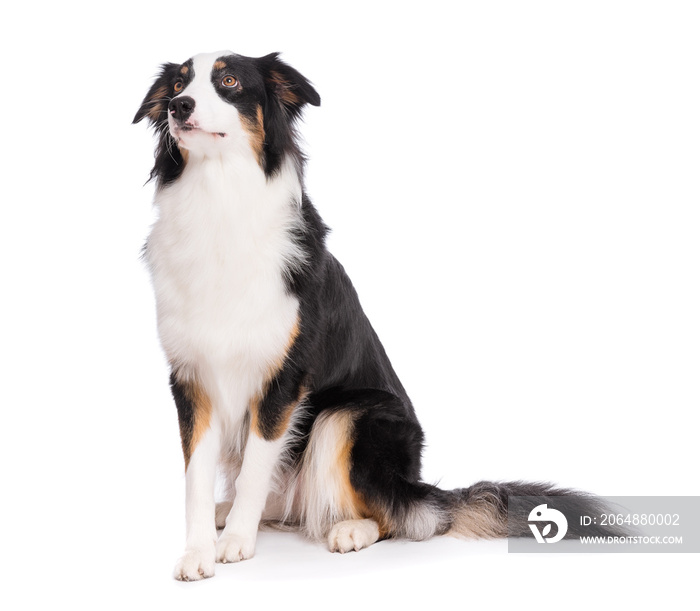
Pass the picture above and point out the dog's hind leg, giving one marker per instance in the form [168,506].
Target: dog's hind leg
[358,480]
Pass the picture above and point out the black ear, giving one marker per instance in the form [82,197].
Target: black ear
[169,161]
[155,104]
[289,86]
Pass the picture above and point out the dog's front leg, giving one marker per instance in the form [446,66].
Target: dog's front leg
[237,541]
[271,418]
[197,562]
[201,442]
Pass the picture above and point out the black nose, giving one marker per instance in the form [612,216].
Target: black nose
[181,108]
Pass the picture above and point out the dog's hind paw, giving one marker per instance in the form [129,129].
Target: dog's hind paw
[352,535]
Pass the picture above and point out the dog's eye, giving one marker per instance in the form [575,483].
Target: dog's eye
[229,81]
[178,87]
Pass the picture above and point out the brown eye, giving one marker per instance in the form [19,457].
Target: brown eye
[178,87]
[229,81]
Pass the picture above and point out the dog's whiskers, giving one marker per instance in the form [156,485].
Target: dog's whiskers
[169,141]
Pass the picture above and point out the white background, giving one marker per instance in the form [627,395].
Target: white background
[513,188]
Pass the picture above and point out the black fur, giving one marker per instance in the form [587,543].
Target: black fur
[169,162]
[185,413]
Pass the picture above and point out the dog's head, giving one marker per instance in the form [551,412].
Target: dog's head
[223,103]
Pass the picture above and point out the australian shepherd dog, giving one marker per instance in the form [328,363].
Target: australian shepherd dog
[281,385]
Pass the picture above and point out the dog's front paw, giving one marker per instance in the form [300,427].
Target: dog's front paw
[195,564]
[234,548]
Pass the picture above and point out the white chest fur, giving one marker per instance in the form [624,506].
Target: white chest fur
[218,253]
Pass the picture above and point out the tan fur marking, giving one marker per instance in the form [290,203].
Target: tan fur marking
[380,516]
[284,89]
[287,415]
[184,70]
[256,133]
[219,65]
[350,501]
[286,418]
[254,406]
[352,504]
[322,494]
[157,100]
[202,415]
[478,520]
[201,407]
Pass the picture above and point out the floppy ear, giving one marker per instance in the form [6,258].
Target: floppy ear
[169,161]
[155,104]
[288,85]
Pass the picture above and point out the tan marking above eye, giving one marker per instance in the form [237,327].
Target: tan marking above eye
[178,87]
[229,81]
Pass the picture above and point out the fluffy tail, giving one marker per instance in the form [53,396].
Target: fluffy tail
[482,510]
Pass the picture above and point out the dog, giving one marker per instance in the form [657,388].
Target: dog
[278,377]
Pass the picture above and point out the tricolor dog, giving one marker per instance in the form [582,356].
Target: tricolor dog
[280,382]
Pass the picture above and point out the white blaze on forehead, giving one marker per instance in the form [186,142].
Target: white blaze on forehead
[203,65]
[204,62]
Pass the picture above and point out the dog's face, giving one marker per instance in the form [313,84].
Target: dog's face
[223,103]
[208,111]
